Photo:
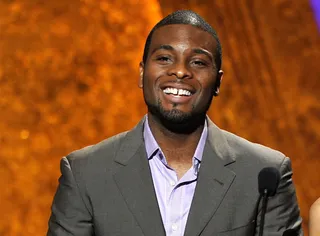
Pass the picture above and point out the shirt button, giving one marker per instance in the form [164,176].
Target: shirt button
[172,183]
[174,227]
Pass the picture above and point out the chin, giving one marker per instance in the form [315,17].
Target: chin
[176,116]
[178,121]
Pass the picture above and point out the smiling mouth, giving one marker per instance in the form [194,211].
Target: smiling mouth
[177,95]
[177,92]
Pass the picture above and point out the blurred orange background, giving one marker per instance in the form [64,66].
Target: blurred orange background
[69,76]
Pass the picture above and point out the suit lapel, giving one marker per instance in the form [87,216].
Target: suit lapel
[134,180]
[213,181]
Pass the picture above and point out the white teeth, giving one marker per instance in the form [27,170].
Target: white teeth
[184,92]
[175,91]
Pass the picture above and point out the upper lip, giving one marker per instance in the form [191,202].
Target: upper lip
[178,86]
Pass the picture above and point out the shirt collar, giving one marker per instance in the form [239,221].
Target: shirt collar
[152,146]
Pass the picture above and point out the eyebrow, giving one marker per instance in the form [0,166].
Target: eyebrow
[196,50]
[163,46]
[205,52]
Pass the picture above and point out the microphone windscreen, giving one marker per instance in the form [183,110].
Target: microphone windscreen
[268,179]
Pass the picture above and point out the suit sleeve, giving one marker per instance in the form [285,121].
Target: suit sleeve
[283,213]
[70,215]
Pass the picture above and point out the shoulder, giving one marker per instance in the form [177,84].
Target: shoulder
[103,151]
[245,150]
[102,155]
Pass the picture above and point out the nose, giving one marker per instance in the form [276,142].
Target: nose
[180,71]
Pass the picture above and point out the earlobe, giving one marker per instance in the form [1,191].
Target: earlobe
[141,69]
[218,83]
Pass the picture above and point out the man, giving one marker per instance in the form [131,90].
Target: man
[175,173]
[314,219]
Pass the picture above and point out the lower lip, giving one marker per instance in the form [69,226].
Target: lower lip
[176,98]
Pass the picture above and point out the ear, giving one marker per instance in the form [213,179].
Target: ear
[218,83]
[141,69]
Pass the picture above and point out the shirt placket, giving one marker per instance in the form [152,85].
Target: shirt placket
[174,206]
[176,201]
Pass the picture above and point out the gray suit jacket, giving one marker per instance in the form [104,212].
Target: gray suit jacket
[107,189]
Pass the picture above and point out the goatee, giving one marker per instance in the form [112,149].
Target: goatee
[175,120]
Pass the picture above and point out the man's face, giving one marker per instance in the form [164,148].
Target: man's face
[180,76]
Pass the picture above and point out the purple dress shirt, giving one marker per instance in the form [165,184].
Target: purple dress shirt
[174,197]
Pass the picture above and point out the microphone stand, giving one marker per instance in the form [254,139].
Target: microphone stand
[263,210]
[256,215]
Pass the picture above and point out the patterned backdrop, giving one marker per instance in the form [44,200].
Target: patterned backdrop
[69,76]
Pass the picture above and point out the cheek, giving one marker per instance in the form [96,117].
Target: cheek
[151,78]
[205,96]
[149,87]
[207,84]
[153,69]
[206,93]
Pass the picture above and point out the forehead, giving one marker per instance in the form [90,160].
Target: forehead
[188,35]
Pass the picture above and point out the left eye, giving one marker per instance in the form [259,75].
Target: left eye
[199,63]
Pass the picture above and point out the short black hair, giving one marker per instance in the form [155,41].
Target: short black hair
[186,17]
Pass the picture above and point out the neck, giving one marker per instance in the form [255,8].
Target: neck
[168,139]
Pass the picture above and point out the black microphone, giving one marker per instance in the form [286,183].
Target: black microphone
[268,182]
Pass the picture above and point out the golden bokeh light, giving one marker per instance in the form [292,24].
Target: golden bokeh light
[64,68]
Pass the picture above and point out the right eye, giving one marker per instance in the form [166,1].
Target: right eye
[163,58]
